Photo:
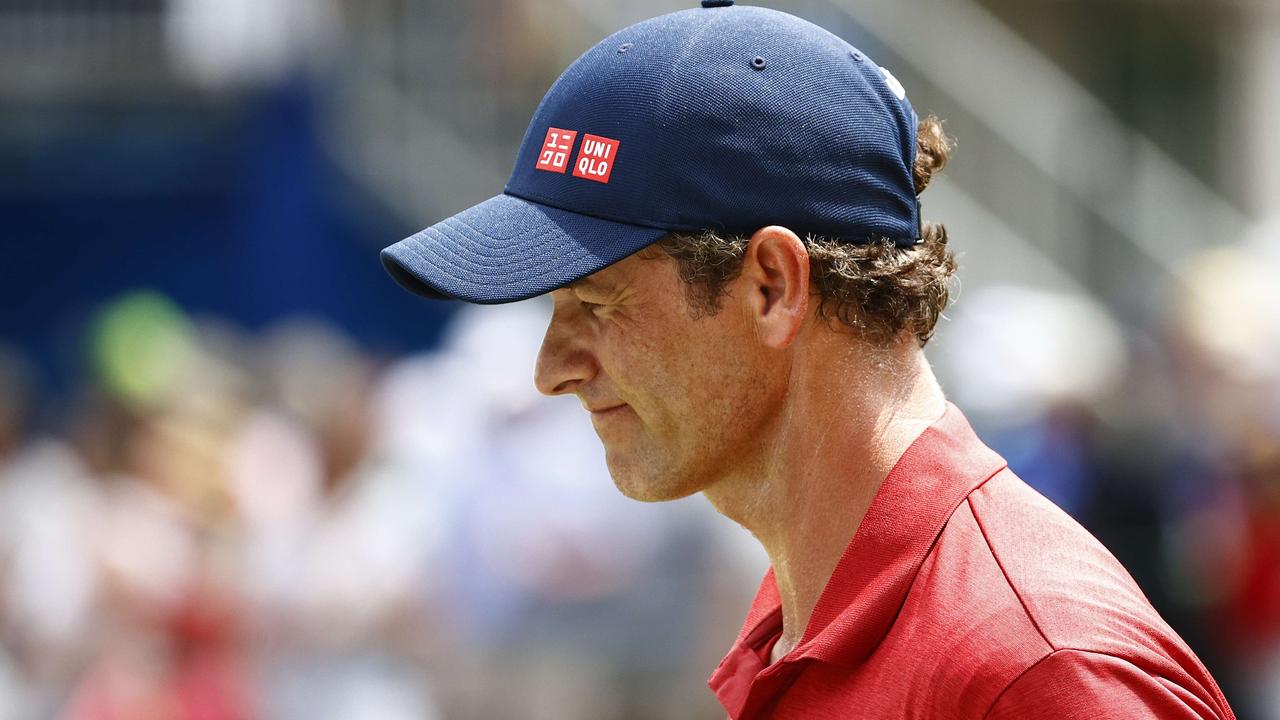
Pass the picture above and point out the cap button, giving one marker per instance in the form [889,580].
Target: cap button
[716,3]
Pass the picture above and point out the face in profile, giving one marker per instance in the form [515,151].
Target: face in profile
[676,400]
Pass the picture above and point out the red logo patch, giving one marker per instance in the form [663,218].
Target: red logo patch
[555,150]
[595,158]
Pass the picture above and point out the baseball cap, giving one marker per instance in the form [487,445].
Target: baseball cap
[719,117]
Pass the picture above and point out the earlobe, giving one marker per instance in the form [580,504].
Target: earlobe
[776,270]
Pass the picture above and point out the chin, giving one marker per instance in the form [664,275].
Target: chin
[648,485]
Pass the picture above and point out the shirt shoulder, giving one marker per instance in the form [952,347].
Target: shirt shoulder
[1071,587]
[1102,633]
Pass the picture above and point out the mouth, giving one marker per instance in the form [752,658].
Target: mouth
[607,410]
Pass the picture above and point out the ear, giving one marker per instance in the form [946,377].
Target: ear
[775,273]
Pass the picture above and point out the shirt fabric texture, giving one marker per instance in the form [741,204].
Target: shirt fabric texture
[966,594]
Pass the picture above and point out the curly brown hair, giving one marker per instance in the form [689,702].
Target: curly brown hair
[877,289]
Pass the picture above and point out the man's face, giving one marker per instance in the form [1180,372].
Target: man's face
[677,401]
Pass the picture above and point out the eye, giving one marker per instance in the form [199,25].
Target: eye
[592,299]
[596,309]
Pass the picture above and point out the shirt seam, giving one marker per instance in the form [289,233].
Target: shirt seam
[1008,581]
[1041,661]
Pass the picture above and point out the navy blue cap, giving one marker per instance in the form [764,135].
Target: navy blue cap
[721,117]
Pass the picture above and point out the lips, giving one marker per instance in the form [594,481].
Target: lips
[603,409]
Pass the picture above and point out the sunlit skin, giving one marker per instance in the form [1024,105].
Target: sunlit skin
[785,423]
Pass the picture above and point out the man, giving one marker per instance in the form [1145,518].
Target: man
[722,203]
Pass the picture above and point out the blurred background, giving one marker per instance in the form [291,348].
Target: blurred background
[243,475]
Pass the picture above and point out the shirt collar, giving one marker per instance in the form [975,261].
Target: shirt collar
[870,582]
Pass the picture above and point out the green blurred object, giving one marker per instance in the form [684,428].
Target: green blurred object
[141,344]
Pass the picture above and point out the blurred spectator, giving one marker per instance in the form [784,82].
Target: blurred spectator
[334,547]
[1225,523]
[48,583]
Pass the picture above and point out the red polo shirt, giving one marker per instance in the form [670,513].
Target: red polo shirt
[966,594]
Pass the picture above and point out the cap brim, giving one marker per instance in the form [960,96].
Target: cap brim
[507,249]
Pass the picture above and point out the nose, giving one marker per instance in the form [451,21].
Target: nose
[565,362]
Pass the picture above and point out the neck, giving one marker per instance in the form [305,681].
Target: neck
[839,432]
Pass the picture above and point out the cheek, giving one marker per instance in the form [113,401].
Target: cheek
[699,375]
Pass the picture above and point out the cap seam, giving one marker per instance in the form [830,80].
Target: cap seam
[535,198]
[869,238]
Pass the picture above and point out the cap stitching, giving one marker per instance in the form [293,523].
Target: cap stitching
[543,265]
[472,276]
[479,259]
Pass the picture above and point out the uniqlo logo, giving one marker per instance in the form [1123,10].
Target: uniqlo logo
[595,158]
[555,150]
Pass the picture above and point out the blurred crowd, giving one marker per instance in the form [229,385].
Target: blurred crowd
[211,522]
[283,526]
